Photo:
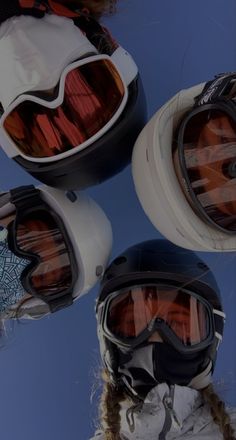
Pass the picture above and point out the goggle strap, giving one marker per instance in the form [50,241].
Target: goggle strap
[219,322]
[213,89]
[219,313]
[218,336]
[26,197]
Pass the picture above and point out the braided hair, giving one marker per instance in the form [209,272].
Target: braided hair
[218,412]
[111,398]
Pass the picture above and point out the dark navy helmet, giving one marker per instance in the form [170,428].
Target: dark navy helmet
[159,262]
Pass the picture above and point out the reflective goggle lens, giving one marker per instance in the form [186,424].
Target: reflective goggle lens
[132,311]
[209,149]
[93,93]
[44,239]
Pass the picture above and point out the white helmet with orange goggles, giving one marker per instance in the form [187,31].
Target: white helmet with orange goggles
[152,287]
[184,167]
[54,247]
[72,106]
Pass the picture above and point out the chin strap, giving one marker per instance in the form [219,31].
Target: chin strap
[203,379]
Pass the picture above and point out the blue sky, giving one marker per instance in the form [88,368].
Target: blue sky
[48,368]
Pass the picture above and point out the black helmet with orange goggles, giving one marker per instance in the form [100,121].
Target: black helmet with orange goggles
[205,162]
[157,286]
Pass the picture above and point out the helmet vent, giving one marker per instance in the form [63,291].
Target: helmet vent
[99,271]
[120,260]
[71,196]
[202,266]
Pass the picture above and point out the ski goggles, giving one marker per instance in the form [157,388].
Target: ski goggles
[206,142]
[52,124]
[184,319]
[37,234]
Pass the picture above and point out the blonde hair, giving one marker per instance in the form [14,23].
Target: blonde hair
[218,412]
[110,407]
[113,395]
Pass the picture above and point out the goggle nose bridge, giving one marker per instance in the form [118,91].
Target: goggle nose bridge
[159,325]
[155,324]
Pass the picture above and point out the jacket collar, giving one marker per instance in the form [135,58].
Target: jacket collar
[162,414]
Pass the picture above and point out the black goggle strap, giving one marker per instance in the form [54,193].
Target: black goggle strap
[219,318]
[26,198]
[214,89]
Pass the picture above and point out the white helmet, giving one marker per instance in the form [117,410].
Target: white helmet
[58,246]
[87,97]
[158,188]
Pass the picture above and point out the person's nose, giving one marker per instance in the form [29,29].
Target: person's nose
[155,337]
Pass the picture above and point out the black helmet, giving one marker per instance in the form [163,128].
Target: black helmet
[158,261]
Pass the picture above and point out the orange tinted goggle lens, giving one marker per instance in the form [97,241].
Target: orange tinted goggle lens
[209,148]
[93,93]
[131,312]
[44,239]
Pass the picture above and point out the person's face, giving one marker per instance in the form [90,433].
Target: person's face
[155,337]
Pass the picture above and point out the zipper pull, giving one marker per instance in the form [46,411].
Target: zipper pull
[168,403]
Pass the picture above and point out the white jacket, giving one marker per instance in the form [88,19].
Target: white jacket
[168,413]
